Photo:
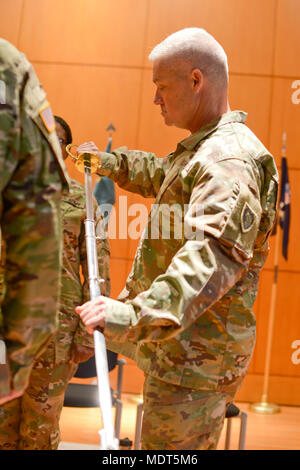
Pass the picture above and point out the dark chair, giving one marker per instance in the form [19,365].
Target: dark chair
[87,369]
[232,411]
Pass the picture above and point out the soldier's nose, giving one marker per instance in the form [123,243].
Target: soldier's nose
[157,99]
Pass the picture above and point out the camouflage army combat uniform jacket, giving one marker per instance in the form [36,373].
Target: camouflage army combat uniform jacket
[187,316]
[32,178]
[74,290]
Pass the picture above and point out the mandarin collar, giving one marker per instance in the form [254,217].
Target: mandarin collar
[192,140]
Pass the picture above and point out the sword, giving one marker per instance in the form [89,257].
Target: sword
[87,163]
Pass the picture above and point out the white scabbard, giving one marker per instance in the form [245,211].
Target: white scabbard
[107,434]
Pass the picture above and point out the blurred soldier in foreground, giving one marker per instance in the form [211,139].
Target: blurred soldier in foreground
[186,312]
[32,421]
[32,177]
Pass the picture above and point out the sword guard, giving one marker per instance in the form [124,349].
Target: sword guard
[84,160]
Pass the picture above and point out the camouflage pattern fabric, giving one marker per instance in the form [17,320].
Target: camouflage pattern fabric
[2,284]
[32,178]
[179,418]
[188,301]
[186,317]
[32,422]
[75,291]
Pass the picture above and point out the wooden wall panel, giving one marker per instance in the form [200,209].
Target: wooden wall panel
[286,118]
[242,27]
[10,19]
[119,270]
[287,45]
[127,222]
[283,390]
[85,31]
[286,324]
[89,98]
[245,92]
[118,225]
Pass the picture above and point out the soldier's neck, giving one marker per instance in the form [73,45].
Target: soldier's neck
[208,112]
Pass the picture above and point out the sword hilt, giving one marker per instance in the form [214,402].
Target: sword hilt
[83,160]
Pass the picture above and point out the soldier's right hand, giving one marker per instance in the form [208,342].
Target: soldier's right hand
[88,147]
[93,312]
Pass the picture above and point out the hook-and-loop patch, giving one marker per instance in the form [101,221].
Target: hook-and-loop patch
[47,117]
[247,218]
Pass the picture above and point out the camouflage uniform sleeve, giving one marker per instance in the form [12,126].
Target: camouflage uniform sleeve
[2,283]
[135,171]
[32,175]
[225,209]
[103,254]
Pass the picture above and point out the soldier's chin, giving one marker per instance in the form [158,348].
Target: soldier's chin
[168,121]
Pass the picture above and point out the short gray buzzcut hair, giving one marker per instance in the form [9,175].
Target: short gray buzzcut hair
[197,46]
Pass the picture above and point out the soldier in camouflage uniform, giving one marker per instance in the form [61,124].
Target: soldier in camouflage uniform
[32,422]
[186,313]
[32,178]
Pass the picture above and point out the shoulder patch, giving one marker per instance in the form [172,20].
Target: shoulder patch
[248,217]
[47,117]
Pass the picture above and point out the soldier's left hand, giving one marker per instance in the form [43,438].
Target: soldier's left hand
[89,147]
[93,313]
[12,396]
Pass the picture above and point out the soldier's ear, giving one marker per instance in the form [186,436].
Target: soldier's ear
[197,79]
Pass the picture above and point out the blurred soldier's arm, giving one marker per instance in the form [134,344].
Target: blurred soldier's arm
[224,207]
[83,343]
[32,175]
